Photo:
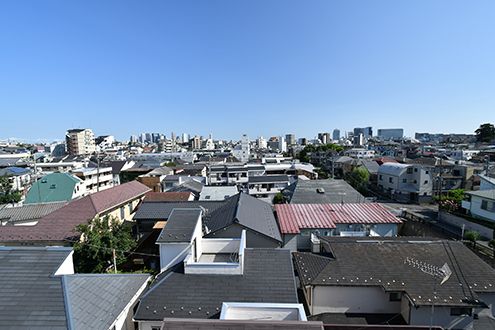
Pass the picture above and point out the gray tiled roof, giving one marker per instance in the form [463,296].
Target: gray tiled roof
[268,178]
[30,296]
[268,277]
[379,262]
[96,300]
[161,210]
[247,211]
[336,191]
[180,226]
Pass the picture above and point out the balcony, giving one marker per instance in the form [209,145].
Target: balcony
[223,256]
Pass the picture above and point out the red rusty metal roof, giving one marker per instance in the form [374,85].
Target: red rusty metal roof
[293,217]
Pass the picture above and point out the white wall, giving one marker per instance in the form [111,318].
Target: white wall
[147,325]
[339,299]
[172,253]
[478,211]
[67,267]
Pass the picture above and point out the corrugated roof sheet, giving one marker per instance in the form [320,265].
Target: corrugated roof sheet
[294,217]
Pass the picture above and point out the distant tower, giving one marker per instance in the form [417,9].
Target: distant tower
[336,134]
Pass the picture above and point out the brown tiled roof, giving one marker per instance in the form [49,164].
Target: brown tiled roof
[59,225]
[167,196]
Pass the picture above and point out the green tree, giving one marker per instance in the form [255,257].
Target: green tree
[94,252]
[485,133]
[7,195]
[452,201]
[472,236]
[359,179]
[279,198]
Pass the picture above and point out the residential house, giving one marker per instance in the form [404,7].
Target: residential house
[360,153]
[58,227]
[41,291]
[480,204]
[406,182]
[486,182]
[222,219]
[95,179]
[322,192]
[405,278]
[56,187]
[267,185]
[217,193]
[27,214]
[62,164]
[154,178]
[18,177]
[298,221]
[200,274]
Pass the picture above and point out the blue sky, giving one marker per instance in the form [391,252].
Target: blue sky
[257,67]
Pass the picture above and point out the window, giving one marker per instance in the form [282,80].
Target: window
[395,296]
[381,177]
[409,170]
[404,180]
[415,170]
[488,206]
[426,181]
[427,172]
[155,328]
[390,180]
[457,311]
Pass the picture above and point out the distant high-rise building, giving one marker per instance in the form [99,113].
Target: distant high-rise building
[261,143]
[282,145]
[303,141]
[142,138]
[80,141]
[290,139]
[390,133]
[324,137]
[185,137]
[336,134]
[133,139]
[358,139]
[155,137]
[196,143]
[366,131]
[242,151]
[148,137]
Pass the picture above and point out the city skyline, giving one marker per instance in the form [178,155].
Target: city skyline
[257,67]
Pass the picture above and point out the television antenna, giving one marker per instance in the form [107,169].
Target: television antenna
[441,273]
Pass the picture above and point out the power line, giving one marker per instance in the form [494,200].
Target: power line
[116,250]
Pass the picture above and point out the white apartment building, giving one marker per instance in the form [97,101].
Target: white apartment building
[406,182]
[95,180]
[360,153]
[80,141]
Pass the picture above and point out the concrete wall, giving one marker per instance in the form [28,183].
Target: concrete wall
[489,299]
[146,325]
[458,222]
[340,299]
[290,242]
[422,316]
[253,239]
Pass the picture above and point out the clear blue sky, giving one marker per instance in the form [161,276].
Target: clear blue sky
[257,67]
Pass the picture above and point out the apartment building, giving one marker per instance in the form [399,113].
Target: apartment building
[406,182]
[80,141]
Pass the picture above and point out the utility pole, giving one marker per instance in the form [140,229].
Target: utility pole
[114,261]
[98,172]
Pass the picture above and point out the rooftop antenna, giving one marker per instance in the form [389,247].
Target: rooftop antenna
[442,273]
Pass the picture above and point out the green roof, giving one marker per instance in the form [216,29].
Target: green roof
[54,187]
